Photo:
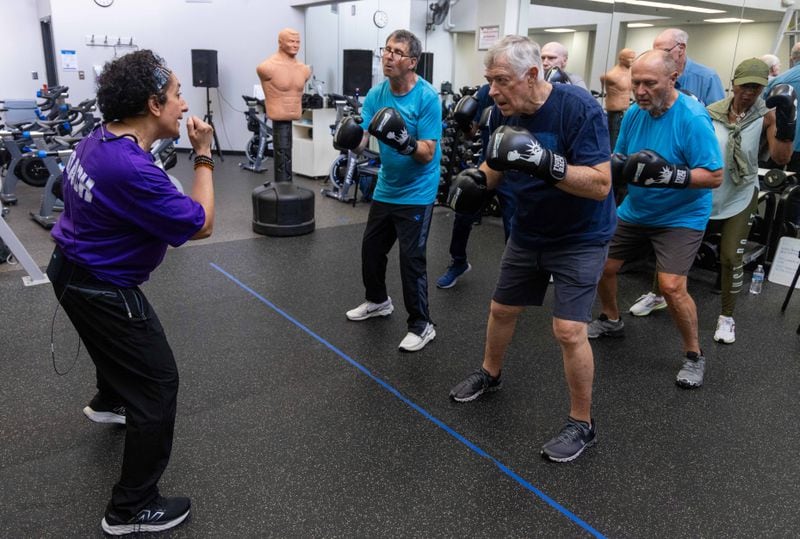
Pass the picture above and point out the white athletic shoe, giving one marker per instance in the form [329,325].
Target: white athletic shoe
[725,330]
[369,309]
[413,342]
[647,303]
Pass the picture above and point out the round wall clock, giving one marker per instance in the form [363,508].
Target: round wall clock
[103,3]
[380,18]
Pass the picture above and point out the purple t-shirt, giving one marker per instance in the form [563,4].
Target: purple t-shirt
[121,210]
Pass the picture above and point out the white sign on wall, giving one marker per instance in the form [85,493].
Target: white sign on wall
[69,60]
[487,36]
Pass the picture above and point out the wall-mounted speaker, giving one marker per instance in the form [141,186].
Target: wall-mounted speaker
[356,71]
[425,66]
[204,68]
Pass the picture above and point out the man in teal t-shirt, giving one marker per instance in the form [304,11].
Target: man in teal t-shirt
[405,115]
[668,154]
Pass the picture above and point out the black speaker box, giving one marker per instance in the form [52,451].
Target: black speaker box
[425,66]
[204,68]
[357,71]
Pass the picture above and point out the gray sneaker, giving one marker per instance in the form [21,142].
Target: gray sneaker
[691,374]
[603,327]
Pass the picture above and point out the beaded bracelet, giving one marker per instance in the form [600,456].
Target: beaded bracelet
[203,161]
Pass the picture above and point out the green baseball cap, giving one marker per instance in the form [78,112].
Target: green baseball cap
[751,71]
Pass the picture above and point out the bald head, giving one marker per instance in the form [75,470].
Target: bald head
[554,54]
[653,76]
[673,41]
[657,60]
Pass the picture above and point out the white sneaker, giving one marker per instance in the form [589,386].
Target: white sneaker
[725,330]
[413,342]
[369,309]
[648,303]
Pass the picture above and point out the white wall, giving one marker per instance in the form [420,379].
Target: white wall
[21,43]
[718,46]
[352,28]
[244,32]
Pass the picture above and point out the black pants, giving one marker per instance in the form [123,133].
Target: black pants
[462,225]
[135,368]
[282,150]
[409,225]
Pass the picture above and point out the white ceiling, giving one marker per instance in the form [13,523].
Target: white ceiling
[756,10]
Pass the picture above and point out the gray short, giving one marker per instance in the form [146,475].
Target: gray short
[576,270]
[675,248]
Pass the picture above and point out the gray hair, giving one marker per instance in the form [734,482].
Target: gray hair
[795,54]
[666,58]
[404,36]
[520,52]
[769,59]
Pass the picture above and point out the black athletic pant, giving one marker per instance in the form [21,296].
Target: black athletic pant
[409,225]
[135,368]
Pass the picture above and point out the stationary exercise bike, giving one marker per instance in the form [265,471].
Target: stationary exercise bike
[259,147]
[349,168]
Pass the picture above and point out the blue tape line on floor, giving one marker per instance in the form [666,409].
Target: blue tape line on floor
[436,421]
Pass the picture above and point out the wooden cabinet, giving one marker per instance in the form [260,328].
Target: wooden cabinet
[312,143]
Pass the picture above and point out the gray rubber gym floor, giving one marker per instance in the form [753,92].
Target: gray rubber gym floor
[294,422]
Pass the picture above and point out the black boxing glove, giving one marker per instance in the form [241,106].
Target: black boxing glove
[514,148]
[648,169]
[618,161]
[468,191]
[464,112]
[784,100]
[388,126]
[348,134]
[556,75]
[486,117]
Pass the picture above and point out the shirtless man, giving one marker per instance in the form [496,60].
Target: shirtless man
[283,78]
[617,86]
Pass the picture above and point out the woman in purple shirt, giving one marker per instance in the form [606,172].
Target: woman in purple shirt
[120,213]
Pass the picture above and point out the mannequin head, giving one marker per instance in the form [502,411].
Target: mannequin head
[289,42]
[626,57]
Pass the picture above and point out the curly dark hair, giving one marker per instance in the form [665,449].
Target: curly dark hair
[126,83]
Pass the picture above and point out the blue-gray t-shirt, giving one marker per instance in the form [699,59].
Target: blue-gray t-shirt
[121,210]
[570,123]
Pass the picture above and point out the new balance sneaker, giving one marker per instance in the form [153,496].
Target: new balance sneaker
[475,385]
[450,277]
[100,412]
[369,309]
[603,327]
[161,514]
[691,374]
[413,342]
[573,439]
[647,303]
[725,330]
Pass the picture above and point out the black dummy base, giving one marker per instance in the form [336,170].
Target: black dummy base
[282,209]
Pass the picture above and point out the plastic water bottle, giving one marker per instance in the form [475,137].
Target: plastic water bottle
[757,281]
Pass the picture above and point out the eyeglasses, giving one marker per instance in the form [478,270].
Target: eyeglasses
[669,50]
[395,54]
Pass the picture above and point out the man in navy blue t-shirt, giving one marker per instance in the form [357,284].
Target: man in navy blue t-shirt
[550,143]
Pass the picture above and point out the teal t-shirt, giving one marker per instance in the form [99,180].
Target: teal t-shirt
[684,136]
[402,179]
